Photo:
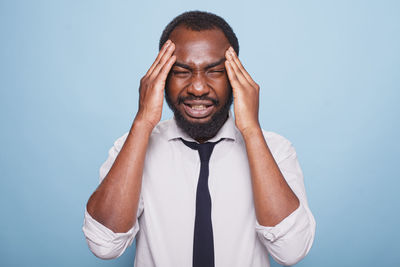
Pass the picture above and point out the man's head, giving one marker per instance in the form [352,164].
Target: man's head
[198,88]
[200,21]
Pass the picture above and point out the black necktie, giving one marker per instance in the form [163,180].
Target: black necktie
[203,242]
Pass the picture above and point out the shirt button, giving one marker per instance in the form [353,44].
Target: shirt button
[269,236]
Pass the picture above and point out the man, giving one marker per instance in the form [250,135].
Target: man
[249,199]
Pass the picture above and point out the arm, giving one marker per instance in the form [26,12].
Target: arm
[114,204]
[273,198]
[291,239]
[276,204]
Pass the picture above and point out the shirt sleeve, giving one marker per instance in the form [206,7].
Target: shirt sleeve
[102,241]
[290,240]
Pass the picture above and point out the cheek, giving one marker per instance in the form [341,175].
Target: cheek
[220,78]
[221,85]
[174,86]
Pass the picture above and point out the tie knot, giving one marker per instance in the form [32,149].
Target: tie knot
[205,149]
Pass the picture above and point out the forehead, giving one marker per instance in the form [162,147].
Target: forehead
[199,47]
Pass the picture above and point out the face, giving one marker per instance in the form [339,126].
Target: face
[198,88]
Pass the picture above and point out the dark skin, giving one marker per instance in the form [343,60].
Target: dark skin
[202,64]
[198,71]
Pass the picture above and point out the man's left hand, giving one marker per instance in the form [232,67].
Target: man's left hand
[245,93]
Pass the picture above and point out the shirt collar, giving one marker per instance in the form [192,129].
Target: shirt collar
[227,131]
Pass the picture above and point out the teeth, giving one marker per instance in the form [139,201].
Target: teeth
[198,107]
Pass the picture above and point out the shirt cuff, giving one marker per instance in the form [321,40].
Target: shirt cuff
[273,233]
[290,240]
[103,242]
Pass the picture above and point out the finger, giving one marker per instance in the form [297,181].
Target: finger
[163,74]
[242,69]
[159,56]
[231,75]
[240,76]
[167,55]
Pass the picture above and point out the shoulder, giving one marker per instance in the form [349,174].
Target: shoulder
[120,141]
[159,133]
[275,139]
[162,129]
[279,145]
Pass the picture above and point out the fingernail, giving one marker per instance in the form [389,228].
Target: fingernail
[168,42]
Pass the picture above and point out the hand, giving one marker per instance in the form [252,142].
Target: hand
[245,93]
[152,86]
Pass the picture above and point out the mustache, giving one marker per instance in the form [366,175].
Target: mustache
[182,99]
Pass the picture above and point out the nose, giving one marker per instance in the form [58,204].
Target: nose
[198,85]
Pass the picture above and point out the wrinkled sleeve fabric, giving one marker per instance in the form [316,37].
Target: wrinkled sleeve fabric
[290,240]
[102,241]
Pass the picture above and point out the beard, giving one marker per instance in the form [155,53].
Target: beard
[204,130]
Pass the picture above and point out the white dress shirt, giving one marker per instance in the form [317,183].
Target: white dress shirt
[166,213]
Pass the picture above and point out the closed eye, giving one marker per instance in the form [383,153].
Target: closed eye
[176,72]
[216,72]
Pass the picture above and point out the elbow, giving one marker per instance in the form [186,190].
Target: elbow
[293,254]
[104,243]
[105,252]
[294,250]
[109,248]
[288,262]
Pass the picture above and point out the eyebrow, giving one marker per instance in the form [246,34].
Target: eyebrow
[209,66]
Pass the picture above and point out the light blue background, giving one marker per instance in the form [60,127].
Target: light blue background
[329,75]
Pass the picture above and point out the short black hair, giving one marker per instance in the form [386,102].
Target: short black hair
[200,21]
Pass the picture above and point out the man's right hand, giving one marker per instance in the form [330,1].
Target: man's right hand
[115,202]
[152,87]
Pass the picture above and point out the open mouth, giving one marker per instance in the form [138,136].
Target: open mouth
[198,109]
